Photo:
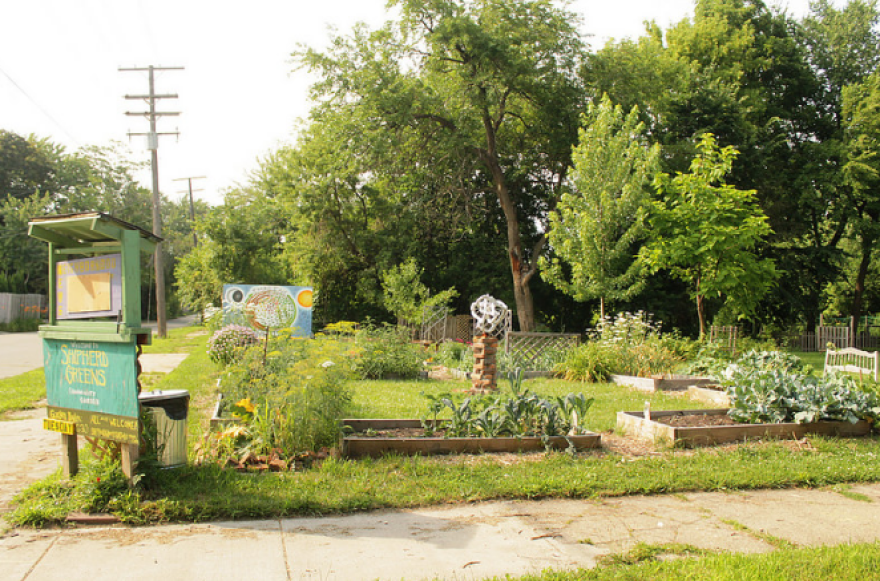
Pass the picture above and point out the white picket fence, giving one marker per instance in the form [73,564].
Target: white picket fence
[15,306]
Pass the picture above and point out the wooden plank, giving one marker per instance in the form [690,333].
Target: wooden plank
[69,455]
[634,424]
[355,447]
[130,454]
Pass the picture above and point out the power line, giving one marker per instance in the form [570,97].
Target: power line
[40,107]
[192,207]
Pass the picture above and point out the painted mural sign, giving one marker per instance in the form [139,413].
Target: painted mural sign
[94,385]
[263,307]
[89,287]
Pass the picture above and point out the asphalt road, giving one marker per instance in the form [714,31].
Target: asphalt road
[22,352]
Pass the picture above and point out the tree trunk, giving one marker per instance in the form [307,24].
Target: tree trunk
[867,244]
[521,270]
[522,293]
[701,315]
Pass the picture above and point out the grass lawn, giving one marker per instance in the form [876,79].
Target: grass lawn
[208,492]
[199,493]
[22,392]
[857,561]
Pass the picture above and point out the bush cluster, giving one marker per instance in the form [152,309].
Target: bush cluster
[628,344]
[776,387]
[288,401]
[387,351]
[228,343]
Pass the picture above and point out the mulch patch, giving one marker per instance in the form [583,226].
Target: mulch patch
[696,420]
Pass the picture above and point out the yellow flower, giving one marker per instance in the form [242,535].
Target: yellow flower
[246,405]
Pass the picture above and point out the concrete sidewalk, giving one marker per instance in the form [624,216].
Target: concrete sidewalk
[459,542]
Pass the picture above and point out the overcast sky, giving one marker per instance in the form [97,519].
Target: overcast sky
[238,96]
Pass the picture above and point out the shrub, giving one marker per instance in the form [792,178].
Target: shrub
[387,351]
[21,326]
[629,344]
[774,387]
[636,346]
[455,355]
[590,361]
[229,343]
[291,401]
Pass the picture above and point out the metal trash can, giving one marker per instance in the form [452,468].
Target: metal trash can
[168,411]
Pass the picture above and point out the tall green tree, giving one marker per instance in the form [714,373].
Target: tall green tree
[861,112]
[24,166]
[595,229]
[487,84]
[706,233]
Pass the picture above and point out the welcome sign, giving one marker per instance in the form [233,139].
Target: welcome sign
[94,384]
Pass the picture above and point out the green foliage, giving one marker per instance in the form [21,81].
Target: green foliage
[590,361]
[198,281]
[92,490]
[773,387]
[387,350]
[461,108]
[14,283]
[291,400]
[522,413]
[455,355]
[708,235]
[595,228]
[406,297]
[29,325]
[628,344]
[229,343]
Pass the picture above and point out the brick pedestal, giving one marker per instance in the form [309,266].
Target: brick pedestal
[485,372]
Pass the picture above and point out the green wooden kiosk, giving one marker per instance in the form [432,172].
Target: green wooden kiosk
[94,334]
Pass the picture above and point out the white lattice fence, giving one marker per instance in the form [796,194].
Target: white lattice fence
[537,351]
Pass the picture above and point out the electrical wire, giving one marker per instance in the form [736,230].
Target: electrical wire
[40,107]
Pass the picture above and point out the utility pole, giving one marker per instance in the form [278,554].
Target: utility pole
[192,207]
[153,146]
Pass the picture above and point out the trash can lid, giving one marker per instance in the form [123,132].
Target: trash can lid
[159,395]
[175,402]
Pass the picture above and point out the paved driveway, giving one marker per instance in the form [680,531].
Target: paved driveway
[20,352]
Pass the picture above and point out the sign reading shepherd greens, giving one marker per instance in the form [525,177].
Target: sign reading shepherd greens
[91,376]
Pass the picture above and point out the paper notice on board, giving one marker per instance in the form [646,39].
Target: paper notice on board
[87,293]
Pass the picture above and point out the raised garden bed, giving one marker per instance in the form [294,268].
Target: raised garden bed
[664,383]
[712,395]
[706,427]
[377,437]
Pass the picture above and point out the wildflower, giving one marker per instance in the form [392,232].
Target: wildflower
[246,405]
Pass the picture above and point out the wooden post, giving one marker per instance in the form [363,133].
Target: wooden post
[70,455]
[130,454]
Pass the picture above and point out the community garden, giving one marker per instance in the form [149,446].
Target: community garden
[273,448]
